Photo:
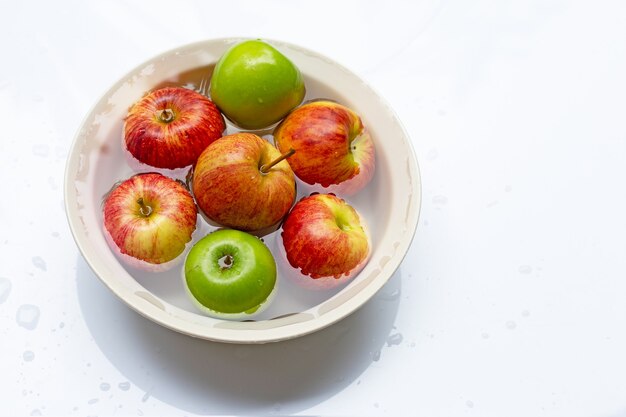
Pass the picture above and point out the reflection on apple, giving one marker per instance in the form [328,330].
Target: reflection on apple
[149,220]
[241,181]
[169,127]
[325,241]
[334,150]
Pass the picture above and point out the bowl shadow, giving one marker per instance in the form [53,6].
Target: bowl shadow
[206,377]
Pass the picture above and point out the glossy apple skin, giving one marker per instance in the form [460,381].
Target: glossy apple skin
[323,236]
[255,85]
[153,236]
[176,138]
[231,190]
[238,289]
[332,145]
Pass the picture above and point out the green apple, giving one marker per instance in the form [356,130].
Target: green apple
[230,274]
[255,85]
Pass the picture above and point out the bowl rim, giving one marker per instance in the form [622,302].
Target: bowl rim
[156,313]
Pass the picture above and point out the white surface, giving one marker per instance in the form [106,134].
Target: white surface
[511,300]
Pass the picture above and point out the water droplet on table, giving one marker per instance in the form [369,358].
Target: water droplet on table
[35,412]
[432,154]
[146,396]
[525,269]
[395,339]
[389,296]
[105,386]
[469,403]
[28,355]
[41,150]
[39,263]
[124,386]
[440,200]
[5,289]
[511,325]
[376,356]
[27,316]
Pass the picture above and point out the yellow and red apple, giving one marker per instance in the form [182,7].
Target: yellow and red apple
[326,240]
[241,181]
[170,127]
[334,150]
[148,220]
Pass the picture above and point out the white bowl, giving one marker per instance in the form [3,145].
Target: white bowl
[390,203]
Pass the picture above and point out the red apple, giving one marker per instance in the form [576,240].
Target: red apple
[333,147]
[326,239]
[241,181]
[171,126]
[148,220]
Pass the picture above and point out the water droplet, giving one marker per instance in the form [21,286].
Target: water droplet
[38,98]
[511,325]
[39,263]
[376,356]
[61,325]
[391,296]
[525,313]
[394,339]
[260,100]
[52,183]
[124,386]
[55,234]
[442,112]
[5,289]
[492,203]
[105,386]
[27,316]
[525,269]
[432,154]
[28,355]
[507,189]
[35,412]
[485,335]
[41,150]
[469,403]
[146,396]
[92,401]
[440,200]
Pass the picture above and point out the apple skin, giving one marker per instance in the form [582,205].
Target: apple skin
[149,220]
[230,189]
[333,147]
[326,239]
[240,288]
[255,85]
[170,127]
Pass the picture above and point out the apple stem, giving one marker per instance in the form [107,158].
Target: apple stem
[166,115]
[265,168]
[144,209]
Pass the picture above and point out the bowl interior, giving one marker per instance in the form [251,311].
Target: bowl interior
[389,204]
